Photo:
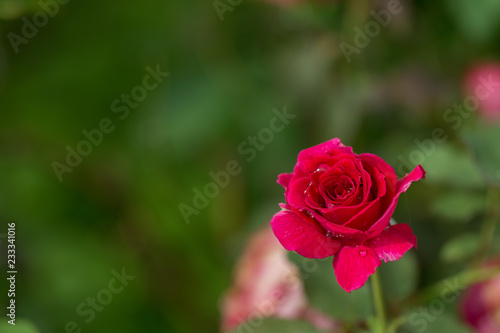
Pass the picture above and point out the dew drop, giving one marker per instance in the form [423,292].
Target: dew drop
[329,234]
[362,253]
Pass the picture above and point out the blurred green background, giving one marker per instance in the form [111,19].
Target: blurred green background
[119,207]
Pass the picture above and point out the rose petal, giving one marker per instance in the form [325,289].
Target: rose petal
[393,242]
[307,239]
[365,217]
[314,165]
[297,193]
[284,179]
[331,147]
[284,206]
[342,214]
[388,172]
[402,185]
[405,182]
[353,266]
[380,183]
[341,231]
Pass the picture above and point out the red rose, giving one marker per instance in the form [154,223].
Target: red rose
[340,203]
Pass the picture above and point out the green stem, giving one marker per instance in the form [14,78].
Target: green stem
[378,301]
[393,325]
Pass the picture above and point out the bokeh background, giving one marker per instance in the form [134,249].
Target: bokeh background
[227,71]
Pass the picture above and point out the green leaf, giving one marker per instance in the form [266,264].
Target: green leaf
[478,19]
[483,142]
[460,248]
[458,206]
[450,166]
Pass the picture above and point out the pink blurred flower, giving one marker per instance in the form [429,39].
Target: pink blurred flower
[267,284]
[483,81]
[480,306]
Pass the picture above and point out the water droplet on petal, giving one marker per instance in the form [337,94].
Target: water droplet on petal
[329,234]
[362,253]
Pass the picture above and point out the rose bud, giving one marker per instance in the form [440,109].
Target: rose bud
[480,306]
[267,284]
[483,82]
[339,204]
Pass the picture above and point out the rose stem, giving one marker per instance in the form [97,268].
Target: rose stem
[378,301]
[394,324]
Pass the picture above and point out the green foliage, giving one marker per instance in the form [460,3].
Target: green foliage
[326,295]
[400,278]
[21,326]
[482,141]
[460,248]
[477,19]
[443,322]
[451,166]
[458,207]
